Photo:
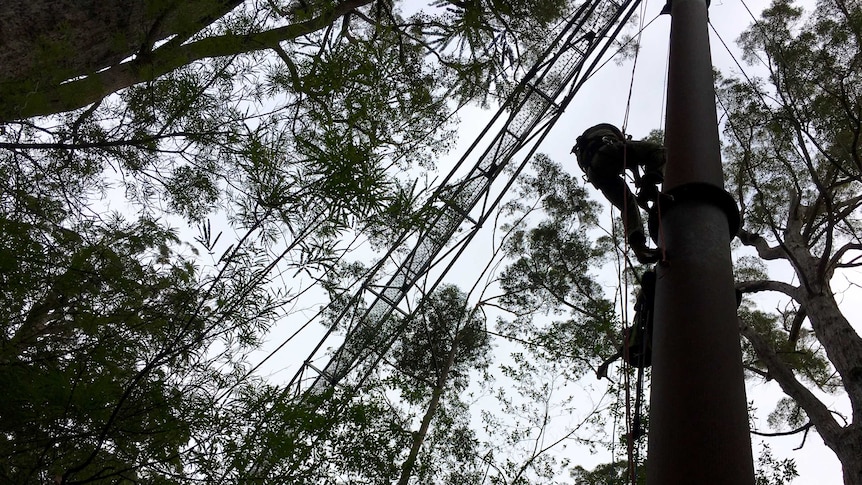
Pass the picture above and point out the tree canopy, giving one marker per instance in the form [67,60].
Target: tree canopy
[272,129]
[77,53]
[794,164]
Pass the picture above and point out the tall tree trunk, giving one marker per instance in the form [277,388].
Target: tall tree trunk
[842,344]
[844,441]
[850,455]
[840,341]
[430,411]
[844,348]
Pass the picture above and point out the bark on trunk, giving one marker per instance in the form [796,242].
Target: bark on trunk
[850,455]
[40,90]
[47,41]
[841,342]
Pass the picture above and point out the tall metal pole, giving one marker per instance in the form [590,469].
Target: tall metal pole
[698,428]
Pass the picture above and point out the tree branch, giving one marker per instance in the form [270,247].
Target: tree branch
[804,428]
[761,245]
[796,325]
[24,102]
[769,285]
[602,371]
[800,429]
[835,261]
[817,412]
[106,144]
[754,370]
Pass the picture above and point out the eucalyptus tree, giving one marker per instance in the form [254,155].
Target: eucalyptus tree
[405,423]
[433,361]
[794,164]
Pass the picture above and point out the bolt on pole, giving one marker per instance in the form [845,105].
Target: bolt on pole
[698,428]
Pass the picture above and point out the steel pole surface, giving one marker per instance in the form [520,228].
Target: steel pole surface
[698,427]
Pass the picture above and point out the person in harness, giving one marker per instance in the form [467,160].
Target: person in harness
[604,154]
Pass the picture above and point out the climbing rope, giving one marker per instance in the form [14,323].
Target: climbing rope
[632,424]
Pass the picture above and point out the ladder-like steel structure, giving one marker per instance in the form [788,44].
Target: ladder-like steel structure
[526,118]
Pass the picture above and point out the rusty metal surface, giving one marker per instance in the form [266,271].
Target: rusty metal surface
[698,416]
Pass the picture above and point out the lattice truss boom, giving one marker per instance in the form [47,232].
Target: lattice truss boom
[527,116]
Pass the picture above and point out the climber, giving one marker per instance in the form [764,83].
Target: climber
[604,154]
